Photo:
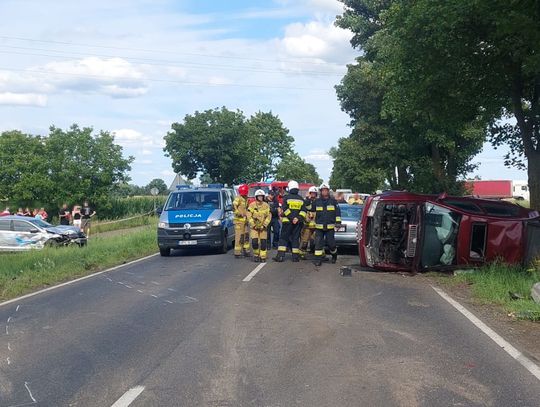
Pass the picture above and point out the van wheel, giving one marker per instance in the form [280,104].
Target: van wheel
[224,244]
[165,252]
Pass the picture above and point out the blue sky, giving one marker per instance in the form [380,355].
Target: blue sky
[136,66]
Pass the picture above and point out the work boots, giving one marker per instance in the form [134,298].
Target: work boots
[318,262]
[279,257]
[295,258]
[334,258]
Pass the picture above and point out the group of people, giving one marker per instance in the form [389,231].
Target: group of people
[301,220]
[79,216]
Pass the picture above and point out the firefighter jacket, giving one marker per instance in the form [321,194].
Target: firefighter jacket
[310,213]
[259,215]
[327,213]
[240,209]
[293,207]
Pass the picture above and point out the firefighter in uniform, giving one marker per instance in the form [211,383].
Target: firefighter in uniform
[259,217]
[327,216]
[309,225]
[294,214]
[241,236]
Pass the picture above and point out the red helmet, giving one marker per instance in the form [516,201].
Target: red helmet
[243,190]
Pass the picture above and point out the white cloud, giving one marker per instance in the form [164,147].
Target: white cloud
[23,99]
[146,152]
[317,154]
[133,139]
[326,6]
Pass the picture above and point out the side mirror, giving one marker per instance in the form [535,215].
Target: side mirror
[228,208]
[159,210]
[34,230]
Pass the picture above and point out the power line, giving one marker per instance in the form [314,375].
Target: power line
[46,72]
[166,63]
[295,60]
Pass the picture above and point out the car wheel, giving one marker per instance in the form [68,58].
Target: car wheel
[224,244]
[166,252]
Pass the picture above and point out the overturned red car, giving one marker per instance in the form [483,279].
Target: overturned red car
[401,231]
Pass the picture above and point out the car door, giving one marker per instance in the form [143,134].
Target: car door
[27,235]
[229,216]
[6,235]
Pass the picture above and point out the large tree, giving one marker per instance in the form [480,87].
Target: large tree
[156,183]
[294,167]
[270,142]
[214,142]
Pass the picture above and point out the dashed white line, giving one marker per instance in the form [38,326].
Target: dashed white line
[153,295]
[494,336]
[7,330]
[8,361]
[128,286]
[17,309]
[154,282]
[9,346]
[140,291]
[255,271]
[128,397]
[9,320]
[29,392]
[169,302]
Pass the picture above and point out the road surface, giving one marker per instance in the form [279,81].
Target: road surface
[188,331]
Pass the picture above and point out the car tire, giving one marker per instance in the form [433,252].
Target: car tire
[165,252]
[224,244]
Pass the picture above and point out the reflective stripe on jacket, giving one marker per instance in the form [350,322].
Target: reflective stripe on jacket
[293,207]
[327,213]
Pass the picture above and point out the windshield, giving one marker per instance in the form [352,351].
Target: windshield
[441,228]
[351,211]
[194,200]
[40,223]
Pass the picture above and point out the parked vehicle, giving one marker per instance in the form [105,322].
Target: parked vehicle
[20,233]
[254,187]
[303,190]
[197,217]
[410,232]
[346,234]
[498,189]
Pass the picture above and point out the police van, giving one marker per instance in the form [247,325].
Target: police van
[197,217]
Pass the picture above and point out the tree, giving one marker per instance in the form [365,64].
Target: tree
[294,167]
[215,142]
[429,146]
[270,142]
[159,184]
[476,61]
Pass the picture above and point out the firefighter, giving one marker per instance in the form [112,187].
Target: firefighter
[241,236]
[309,225]
[327,216]
[275,226]
[294,214]
[259,217]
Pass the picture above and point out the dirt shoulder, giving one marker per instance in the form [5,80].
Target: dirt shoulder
[524,335]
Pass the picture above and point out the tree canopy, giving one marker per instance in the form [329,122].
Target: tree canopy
[294,167]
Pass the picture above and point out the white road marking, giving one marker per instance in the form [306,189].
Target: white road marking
[255,271]
[9,320]
[140,291]
[16,309]
[7,330]
[76,280]
[29,392]
[154,282]
[153,295]
[170,302]
[9,346]
[191,298]
[128,397]
[494,336]
[8,361]
[128,286]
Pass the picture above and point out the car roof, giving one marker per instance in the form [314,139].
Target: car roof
[16,217]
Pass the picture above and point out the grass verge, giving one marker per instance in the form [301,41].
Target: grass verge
[109,226]
[499,283]
[28,271]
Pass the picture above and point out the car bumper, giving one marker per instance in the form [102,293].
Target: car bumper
[180,239]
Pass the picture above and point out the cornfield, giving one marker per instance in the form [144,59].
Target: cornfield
[118,208]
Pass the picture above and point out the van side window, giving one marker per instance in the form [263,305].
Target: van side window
[228,199]
[22,226]
[478,241]
[4,224]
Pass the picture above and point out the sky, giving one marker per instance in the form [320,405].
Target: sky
[133,67]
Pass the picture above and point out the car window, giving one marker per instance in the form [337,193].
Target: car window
[495,209]
[466,206]
[4,224]
[351,211]
[22,226]
[228,198]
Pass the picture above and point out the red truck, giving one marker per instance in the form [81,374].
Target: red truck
[498,189]
[401,231]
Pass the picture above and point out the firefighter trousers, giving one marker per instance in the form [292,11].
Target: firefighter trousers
[307,235]
[259,242]
[290,233]
[241,238]
[322,236]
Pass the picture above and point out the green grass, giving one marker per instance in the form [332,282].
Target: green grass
[28,271]
[105,225]
[492,285]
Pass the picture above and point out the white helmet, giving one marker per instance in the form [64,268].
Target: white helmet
[324,186]
[293,185]
[260,192]
[313,189]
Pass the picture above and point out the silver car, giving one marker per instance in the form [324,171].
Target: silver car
[18,233]
[346,234]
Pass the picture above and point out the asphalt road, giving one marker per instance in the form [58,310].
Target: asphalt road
[193,333]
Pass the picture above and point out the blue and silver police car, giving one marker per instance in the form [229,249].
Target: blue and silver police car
[197,217]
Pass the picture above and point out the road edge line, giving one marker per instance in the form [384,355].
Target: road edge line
[129,397]
[524,361]
[54,287]
[253,273]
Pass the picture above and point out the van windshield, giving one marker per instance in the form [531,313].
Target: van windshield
[441,227]
[193,200]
